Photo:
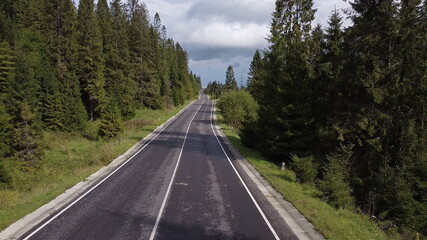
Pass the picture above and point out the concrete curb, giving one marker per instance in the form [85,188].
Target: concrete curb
[301,227]
[20,227]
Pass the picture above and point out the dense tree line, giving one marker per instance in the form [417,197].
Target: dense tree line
[346,108]
[62,66]
[215,88]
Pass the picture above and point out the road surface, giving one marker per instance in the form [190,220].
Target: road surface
[182,185]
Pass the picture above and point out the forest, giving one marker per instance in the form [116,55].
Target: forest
[344,107]
[64,67]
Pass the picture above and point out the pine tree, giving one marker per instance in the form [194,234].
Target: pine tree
[89,60]
[230,79]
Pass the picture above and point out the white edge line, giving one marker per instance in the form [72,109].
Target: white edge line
[159,216]
[244,185]
[103,180]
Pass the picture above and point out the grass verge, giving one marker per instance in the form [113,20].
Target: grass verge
[68,159]
[333,223]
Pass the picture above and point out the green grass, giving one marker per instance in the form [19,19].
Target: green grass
[331,222]
[68,159]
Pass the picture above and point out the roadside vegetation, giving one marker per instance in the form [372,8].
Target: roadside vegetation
[69,158]
[335,217]
[78,86]
[345,107]
[332,222]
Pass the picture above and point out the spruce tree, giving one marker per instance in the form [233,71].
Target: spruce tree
[328,102]
[230,79]
[255,79]
[119,81]
[50,107]
[335,183]
[179,73]
[285,116]
[6,66]
[370,41]
[110,124]
[89,60]
[5,131]
[175,85]
[60,27]
[26,134]
[162,66]
[140,43]
[8,24]
[6,73]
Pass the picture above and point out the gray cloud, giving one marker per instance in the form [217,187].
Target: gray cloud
[230,11]
[224,54]
[224,32]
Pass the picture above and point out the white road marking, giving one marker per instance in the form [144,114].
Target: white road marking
[103,180]
[159,216]
[241,180]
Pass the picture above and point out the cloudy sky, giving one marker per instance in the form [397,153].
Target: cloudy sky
[218,33]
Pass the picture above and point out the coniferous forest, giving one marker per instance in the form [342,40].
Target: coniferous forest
[64,66]
[346,108]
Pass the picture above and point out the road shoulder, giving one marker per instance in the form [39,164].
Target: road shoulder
[20,227]
[299,225]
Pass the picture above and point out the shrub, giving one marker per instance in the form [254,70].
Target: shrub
[5,178]
[250,134]
[335,186]
[304,168]
[237,107]
[90,130]
[110,124]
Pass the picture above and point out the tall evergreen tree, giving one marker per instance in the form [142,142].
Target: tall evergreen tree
[230,79]
[328,102]
[89,60]
[59,30]
[26,134]
[285,107]
[179,74]
[369,41]
[119,81]
[6,73]
[142,56]
[162,65]
[255,79]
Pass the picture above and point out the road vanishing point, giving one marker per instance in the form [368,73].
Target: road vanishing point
[181,184]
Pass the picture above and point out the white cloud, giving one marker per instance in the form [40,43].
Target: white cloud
[224,32]
[324,9]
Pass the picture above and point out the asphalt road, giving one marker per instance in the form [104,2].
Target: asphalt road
[181,185]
